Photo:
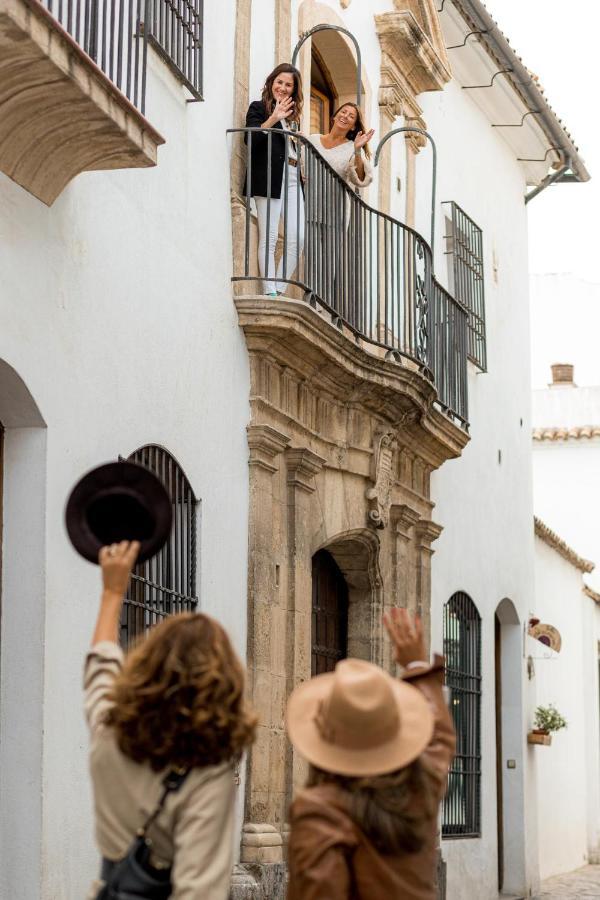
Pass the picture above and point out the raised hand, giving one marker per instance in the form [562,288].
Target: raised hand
[362,138]
[406,635]
[284,107]
[116,562]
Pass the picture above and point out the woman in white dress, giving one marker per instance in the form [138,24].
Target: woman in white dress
[333,222]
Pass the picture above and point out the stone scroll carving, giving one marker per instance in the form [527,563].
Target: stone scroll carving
[380,496]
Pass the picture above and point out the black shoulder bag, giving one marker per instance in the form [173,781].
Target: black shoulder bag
[134,877]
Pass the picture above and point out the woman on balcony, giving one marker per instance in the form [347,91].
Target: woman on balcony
[334,213]
[344,144]
[167,724]
[273,176]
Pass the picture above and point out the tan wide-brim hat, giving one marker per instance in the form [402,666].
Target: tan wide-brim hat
[358,720]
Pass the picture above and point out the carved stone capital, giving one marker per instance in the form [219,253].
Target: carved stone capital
[265,443]
[428,531]
[390,101]
[419,56]
[404,519]
[302,466]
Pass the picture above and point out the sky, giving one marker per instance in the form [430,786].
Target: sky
[559,42]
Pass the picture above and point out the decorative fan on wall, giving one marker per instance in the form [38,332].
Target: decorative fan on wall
[546,634]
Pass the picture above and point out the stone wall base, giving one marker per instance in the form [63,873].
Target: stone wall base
[259,881]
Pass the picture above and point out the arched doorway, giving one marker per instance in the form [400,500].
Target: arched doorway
[510,811]
[329,626]
[22,590]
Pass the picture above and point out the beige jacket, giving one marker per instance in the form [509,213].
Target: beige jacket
[194,831]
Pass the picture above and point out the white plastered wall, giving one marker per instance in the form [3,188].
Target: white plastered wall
[567,771]
[484,499]
[117,314]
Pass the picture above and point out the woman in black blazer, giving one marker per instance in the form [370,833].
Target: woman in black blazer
[280,107]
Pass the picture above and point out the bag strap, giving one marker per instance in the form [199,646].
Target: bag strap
[172,782]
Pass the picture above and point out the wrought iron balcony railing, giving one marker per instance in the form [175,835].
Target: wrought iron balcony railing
[364,267]
[113,35]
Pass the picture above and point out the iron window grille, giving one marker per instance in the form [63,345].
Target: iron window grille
[165,584]
[176,31]
[464,244]
[461,815]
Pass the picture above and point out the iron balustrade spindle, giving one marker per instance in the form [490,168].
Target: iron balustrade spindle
[461,816]
[372,273]
[165,584]
[114,38]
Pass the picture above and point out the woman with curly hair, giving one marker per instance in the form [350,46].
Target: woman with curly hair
[379,750]
[167,724]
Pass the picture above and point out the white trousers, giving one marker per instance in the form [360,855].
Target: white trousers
[294,228]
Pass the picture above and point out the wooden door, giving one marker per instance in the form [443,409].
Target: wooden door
[329,614]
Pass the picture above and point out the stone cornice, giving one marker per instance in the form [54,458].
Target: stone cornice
[326,358]
[562,548]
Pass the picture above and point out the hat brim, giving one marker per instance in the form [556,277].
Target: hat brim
[115,481]
[414,732]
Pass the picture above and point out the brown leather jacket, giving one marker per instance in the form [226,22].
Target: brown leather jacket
[329,856]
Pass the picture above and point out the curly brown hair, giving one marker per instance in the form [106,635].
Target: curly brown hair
[297,95]
[178,700]
[394,810]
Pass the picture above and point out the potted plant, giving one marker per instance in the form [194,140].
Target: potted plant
[546,720]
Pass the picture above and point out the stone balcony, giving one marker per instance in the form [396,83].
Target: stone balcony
[60,114]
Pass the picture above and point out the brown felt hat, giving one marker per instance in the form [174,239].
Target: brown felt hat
[358,720]
[119,501]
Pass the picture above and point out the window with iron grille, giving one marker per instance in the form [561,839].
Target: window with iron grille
[176,31]
[464,248]
[462,648]
[165,584]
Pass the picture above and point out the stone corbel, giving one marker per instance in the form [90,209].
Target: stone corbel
[265,443]
[380,495]
[302,466]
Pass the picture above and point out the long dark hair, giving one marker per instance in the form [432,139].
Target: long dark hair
[360,125]
[394,811]
[297,95]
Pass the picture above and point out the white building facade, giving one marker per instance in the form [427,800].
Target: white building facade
[121,331]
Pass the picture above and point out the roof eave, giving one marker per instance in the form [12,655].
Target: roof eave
[522,83]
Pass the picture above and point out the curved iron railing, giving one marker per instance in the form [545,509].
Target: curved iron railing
[369,271]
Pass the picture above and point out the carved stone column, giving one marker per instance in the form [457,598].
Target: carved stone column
[302,466]
[283,24]
[426,532]
[262,842]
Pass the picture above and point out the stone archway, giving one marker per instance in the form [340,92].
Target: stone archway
[22,596]
[357,555]
[335,54]
[509,747]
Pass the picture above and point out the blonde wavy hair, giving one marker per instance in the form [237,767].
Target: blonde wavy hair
[178,700]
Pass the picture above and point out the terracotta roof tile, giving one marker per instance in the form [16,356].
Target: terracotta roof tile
[553,540]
